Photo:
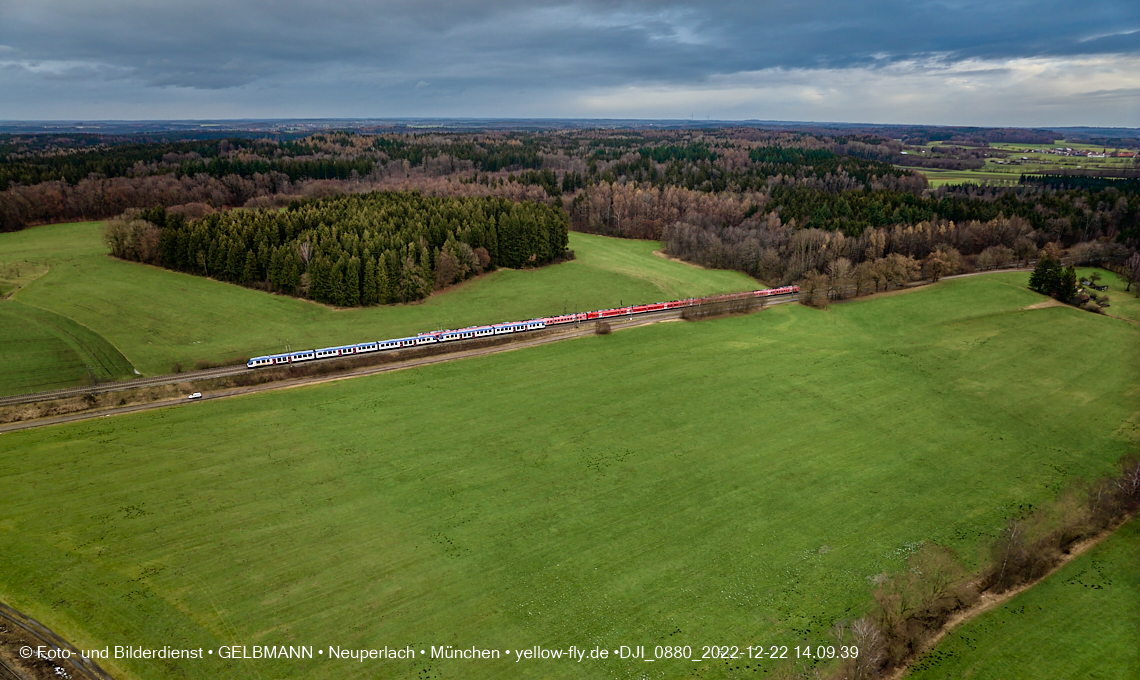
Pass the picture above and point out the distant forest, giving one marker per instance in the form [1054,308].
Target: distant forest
[774,204]
[362,249]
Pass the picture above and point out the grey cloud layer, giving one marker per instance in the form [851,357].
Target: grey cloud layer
[212,44]
[464,57]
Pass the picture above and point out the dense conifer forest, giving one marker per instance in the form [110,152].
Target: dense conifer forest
[779,205]
[362,249]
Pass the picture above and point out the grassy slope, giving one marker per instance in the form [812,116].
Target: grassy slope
[1123,304]
[35,338]
[26,348]
[1082,622]
[156,317]
[725,482]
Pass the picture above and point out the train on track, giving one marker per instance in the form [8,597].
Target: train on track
[505,328]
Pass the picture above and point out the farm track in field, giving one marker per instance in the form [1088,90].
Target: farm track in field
[34,634]
[556,335]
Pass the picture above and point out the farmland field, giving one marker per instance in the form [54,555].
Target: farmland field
[1081,622]
[1035,163]
[729,482]
[937,178]
[1123,304]
[33,339]
[156,317]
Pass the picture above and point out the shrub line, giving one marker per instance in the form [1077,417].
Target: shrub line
[916,608]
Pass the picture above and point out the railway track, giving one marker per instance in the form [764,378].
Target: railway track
[459,351]
[8,673]
[76,666]
[223,371]
[102,388]
[457,346]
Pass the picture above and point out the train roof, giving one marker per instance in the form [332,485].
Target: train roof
[286,354]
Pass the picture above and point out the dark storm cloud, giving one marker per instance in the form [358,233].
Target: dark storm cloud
[211,44]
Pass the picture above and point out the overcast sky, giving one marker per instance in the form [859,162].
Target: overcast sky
[954,62]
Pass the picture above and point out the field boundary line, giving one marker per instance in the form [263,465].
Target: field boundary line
[988,602]
[37,277]
[79,342]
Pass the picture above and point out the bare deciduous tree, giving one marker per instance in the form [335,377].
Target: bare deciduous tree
[839,272]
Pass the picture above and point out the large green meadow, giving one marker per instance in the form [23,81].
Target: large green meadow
[153,318]
[1082,622]
[731,482]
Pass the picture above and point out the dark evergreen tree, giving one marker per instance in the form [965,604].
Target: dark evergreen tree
[338,291]
[1067,285]
[320,279]
[352,283]
[369,292]
[249,272]
[1046,276]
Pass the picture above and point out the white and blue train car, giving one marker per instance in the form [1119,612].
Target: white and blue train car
[400,343]
[465,333]
[329,352]
[276,359]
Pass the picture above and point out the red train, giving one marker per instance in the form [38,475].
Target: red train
[503,328]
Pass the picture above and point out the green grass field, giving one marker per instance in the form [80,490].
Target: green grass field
[729,482]
[1122,304]
[937,178]
[1036,163]
[33,339]
[156,317]
[1082,622]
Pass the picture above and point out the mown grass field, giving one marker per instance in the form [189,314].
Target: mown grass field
[40,350]
[1082,622]
[728,482]
[937,178]
[156,317]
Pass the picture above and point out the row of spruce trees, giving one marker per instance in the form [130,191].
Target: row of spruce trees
[1053,279]
[352,250]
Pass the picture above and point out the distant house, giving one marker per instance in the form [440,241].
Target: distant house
[1125,154]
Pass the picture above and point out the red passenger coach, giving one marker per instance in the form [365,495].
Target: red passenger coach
[509,327]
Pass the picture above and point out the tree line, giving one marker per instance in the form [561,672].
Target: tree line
[348,251]
[726,198]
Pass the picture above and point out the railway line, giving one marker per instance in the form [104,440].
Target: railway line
[37,635]
[460,350]
[225,371]
[135,383]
